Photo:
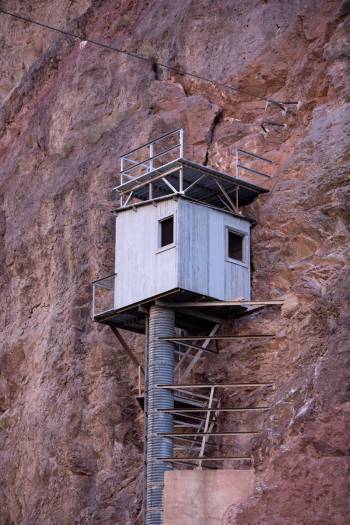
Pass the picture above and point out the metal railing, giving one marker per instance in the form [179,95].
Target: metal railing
[252,156]
[103,293]
[153,155]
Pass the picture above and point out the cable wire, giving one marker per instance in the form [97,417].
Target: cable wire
[141,57]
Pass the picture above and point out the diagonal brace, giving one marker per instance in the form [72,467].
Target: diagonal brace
[126,347]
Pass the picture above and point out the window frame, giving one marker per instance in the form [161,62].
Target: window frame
[244,235]
[159,235]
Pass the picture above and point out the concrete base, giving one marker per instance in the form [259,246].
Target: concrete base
[201,497]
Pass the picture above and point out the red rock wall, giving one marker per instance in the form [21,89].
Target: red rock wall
[70,431]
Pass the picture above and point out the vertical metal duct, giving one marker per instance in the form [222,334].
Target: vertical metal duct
[160,370]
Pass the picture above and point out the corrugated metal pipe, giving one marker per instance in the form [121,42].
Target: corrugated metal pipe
[160,370]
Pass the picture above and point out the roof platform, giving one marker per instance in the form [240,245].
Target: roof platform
[192,311]
[159,169]
[195,181]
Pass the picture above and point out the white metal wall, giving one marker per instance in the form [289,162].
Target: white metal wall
[203,263]
[197,261]
[142,269]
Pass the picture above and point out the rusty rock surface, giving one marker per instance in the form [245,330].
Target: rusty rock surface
[70,429]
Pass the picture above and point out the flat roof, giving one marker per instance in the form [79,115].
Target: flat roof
[205,190]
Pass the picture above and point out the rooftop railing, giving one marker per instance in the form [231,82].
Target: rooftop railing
[153,155]
[103,291]
[252,157]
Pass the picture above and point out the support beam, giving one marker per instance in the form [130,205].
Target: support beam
[126,347]
[180,411]
[227,197]
[220,458]
[199,354]
[218,337]
[192,434]
[164,179]
[194,183]
[128,199]
[208,385]
[198,348]
[220,304]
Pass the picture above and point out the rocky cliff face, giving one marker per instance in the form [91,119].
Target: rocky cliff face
[70,431]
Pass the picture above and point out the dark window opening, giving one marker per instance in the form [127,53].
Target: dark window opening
[235,246]
[166,231]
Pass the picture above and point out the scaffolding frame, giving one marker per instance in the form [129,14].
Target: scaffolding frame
[203,419]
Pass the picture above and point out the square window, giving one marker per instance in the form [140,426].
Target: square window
[235,246]
[166,231]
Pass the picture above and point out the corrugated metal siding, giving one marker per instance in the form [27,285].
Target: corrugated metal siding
[196,263]
[203,266]
[193,248]
[143,271]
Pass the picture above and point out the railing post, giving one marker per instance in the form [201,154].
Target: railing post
[121,169]
[151,153]
[237,162]
[181,143]
[121,180]
[93,300]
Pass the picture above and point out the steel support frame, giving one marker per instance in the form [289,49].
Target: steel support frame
[200,422]
[231,205]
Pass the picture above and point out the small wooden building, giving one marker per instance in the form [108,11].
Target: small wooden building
[176,243]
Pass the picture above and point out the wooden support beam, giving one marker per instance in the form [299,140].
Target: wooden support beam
[206,426]
[126,347]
